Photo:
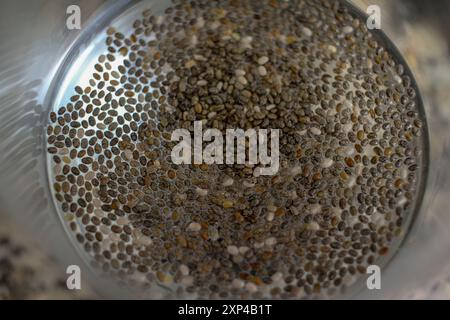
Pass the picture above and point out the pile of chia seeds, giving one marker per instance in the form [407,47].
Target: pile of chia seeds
[349,151]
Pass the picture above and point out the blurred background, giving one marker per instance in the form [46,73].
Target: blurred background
[31,244]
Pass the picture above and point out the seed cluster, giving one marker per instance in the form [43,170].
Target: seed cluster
[349,150]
